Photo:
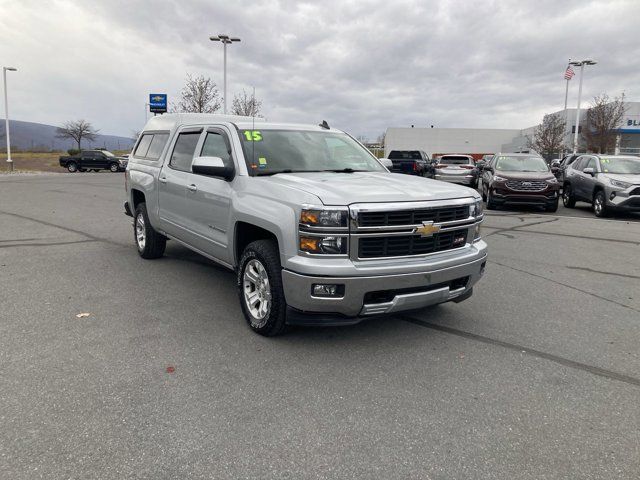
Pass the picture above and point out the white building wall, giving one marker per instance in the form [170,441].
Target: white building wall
[448,140]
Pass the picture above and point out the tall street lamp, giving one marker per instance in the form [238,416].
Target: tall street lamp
[580,64]
[226,40]
[6,114]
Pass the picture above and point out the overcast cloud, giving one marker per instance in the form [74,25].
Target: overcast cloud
[361,65]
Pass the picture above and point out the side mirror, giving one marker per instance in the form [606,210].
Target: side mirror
[212,166]
[555,163]
[555,169]
[386,162]
[589,171]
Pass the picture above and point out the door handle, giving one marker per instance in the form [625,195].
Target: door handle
[192,188]
[162,179]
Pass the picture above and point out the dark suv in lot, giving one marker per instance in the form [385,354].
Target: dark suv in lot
[93,160]
[608,182]
[519,179]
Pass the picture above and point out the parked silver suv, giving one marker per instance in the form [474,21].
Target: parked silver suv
[317,229]
[608,182]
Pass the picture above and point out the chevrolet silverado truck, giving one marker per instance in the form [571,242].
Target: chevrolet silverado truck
[318,231]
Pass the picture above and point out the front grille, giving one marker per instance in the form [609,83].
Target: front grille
[412,217]
[403,245]
[526,185]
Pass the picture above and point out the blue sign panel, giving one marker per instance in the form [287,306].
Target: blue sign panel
[158,102]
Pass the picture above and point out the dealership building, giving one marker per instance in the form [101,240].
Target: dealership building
[482,141]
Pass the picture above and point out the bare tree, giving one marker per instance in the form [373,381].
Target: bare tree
[604,117]
[362,139]
[381,139]
[548,136]
[77,131]
[245,104]
[199,95]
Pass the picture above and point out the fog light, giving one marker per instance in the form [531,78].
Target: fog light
[327,290]
[459,240]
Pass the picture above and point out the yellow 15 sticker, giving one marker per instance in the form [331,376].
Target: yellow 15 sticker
[253,135]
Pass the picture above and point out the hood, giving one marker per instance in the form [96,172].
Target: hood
[370,187]
[525,175]
[632,178]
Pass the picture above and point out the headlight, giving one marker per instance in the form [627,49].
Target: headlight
[496,178]
[619,184]
[323,218]
[329,245]
[476,208]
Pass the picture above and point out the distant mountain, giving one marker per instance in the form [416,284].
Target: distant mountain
[40,137]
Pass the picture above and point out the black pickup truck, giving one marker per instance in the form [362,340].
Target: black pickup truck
[412,162]
[95,160]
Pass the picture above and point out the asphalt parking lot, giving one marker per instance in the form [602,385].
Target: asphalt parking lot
[536,376]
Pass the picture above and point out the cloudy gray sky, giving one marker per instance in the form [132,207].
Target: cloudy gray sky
[361,65]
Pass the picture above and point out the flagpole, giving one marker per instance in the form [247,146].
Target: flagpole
[566,96]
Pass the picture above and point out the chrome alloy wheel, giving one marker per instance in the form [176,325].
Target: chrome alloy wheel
[257,291]
[597,205]
[141,236]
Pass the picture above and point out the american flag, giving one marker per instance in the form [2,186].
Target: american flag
[569,73]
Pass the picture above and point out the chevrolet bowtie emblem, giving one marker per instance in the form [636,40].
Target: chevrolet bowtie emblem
[427,229]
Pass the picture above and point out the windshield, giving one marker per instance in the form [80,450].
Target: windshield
[276,151]
[455,161]
[108,154]
[521,164]
[620,165]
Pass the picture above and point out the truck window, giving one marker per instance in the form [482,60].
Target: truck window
[183,151]
[143,145]
[215,145]
[156,146]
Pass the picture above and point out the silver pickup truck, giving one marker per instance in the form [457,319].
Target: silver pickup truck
[317,229]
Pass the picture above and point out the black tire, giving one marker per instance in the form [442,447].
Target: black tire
[72,167]
[600,204]
[490,203]
[153,243]
[265,253]
[114,167]
[568,199]
[552,208]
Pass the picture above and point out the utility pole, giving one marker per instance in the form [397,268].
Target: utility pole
[581,64]
[6,113]
[226,40]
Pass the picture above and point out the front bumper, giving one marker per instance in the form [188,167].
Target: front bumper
[502,195]
[369,295]
[624,200]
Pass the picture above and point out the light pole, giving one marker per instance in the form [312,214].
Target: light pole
[581,64]
[6,114]
[225,39]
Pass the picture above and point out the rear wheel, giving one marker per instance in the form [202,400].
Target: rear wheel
[260,288]
[72,167]
[600,204]
[114,167]
[150,243]
[568,199]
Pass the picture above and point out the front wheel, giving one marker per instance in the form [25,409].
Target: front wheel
[600,204]
[150,243]
[490,203]
[552,208]
[260,288]
[114,167]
